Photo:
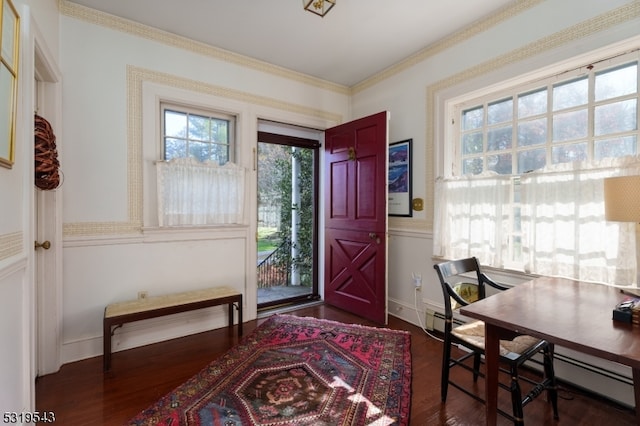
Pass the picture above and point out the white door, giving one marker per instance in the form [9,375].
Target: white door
[47,224]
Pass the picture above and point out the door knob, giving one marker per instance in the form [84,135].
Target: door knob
[45,245]
[374,236]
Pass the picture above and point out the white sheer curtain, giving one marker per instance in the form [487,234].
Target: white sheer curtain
[472,218]
[195,193]
[564,229]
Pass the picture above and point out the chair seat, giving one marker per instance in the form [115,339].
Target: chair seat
[473,333]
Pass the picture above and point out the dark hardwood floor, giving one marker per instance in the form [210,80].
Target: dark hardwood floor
[81,394]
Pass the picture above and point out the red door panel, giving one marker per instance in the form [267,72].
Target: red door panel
[356,217]
[353,273]
[367,203]
[338,194]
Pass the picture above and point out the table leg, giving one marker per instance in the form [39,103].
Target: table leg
[636,391]
[492,360]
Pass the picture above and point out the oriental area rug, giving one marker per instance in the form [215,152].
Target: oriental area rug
[297,371]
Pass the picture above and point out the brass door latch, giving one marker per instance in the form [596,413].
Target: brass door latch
[352,153]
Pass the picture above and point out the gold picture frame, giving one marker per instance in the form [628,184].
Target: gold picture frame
[9,47]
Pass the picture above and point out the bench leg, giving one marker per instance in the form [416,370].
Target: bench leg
[106,339]
[238,305]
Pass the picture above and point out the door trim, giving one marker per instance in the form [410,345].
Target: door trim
[307,143]
[46,218]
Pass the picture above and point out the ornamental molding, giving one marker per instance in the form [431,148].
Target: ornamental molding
[136,77]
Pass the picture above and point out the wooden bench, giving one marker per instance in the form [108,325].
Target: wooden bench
[117,314]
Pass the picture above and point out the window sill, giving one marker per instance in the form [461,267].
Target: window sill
[508,276]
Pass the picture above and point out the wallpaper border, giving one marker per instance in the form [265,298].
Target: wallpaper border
[470,31]
[103,19]
[97,17]
[136,76]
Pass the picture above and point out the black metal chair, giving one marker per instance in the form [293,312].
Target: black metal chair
[463,283]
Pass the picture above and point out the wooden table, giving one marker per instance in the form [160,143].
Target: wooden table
[573,314]
[117,314]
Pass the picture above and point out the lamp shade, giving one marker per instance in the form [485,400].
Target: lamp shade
[622,199]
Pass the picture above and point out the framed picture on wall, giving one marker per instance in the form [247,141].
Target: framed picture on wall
[9,34]
[399,180]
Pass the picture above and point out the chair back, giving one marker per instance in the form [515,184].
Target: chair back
[458,288]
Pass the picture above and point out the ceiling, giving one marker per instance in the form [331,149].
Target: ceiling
[355,40]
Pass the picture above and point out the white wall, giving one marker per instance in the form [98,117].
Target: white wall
[113,247]
[541,34]
[15,371]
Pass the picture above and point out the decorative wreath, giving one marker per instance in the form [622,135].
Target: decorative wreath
[47,175]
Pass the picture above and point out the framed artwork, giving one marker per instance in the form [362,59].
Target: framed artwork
[9,35]
[399,180]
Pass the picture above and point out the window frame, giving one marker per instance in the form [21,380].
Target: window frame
[145,128]
[181,107]
[489,88]
[537,81]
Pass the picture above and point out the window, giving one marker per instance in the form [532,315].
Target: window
[525,186]
[198,183]
[203,135]
[588,118]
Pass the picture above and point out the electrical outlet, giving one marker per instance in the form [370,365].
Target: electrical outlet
[417,280]
[142,295]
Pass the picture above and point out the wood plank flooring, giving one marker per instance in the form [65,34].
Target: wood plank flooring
[81,394]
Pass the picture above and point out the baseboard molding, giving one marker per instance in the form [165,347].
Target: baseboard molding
[146,332]
[405,312]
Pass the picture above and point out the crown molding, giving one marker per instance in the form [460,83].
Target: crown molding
[467,33]
[116,23]
[87,14]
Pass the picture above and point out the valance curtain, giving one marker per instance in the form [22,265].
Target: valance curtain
[195,193]
[472,218]
[564,231]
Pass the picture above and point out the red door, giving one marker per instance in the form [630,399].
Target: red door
[356,217]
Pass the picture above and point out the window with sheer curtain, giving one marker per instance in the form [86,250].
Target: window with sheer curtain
[525,190]
[197,182]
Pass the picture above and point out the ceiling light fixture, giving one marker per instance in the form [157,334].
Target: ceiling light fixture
[319,7]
